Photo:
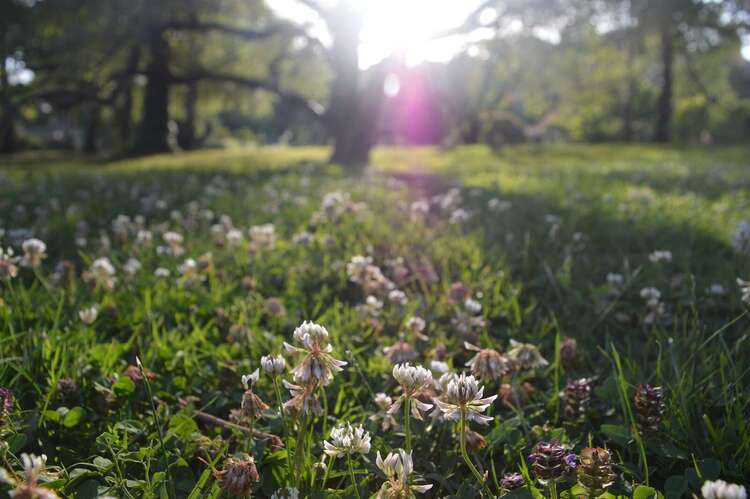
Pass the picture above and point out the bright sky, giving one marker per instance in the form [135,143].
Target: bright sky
[396,26]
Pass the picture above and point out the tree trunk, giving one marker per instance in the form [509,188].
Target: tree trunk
[124,107]
[344,115]
[90,143]
[154,128]
[628,131]
[8,141]
[663,130]
[187,136]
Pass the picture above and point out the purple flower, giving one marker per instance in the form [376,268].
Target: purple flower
[572,461]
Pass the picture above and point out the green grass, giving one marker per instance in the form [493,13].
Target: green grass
[538,265]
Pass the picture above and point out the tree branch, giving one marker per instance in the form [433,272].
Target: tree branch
[245,33]
[313,108]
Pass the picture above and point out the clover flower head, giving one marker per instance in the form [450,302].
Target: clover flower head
[719,489]
[464,397]
[488,364]
[347,440]
[88,315]
[273,365]
[318,364]
[397,468]
[34,251]
[526,356]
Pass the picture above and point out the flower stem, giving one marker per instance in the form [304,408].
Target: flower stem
[407,426]
[465,455]
[299,449]
[553,489]
[351,474]
[283,424]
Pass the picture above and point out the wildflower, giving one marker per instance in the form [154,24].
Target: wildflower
[273,365]
[28,486]
[237,475]
[458,293]
[134,373]
[417,325]
[577,395]
[615,280]
[102,273]
[716,289]
[474,440]
[744,289]
[347,440]
[463,397]
[8,268]
[649,407]
[472,306]
[161,273]
[512,481]
[440,367]
[262,237]
[303,238]
[412,379]
[569,351]
[303,399]
[252,405]
[526,356]
[387,421]
[398,467]
[286,493]
[651,295]
[549,461]
[488,364]
[400,352]
[174,242]
[68,391]
[660,256]
[595,470]
[741,238]
[88,315]
[234,237]
[274,307]
[6,404]
[132,267]
[33,252]
[496,204]
[318,365]
[398,297]
[719,489]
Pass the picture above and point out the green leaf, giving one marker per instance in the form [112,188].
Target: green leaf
[74,417]
[675,486]
[644,492]
[617,433]
[124,386]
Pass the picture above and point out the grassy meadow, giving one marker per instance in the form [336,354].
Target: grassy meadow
[592,290]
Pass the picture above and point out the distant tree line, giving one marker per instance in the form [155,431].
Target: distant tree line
[147,76]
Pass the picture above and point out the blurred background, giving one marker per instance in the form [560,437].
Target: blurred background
[137,77]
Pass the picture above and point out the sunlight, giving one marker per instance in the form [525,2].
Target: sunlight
[396,27]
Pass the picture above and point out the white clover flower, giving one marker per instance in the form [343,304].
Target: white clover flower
[286,493]
[262,236]
[660,256]
[398,297]
[302,238]
[88,315]
[234,237]
[28,486]
[526,355]
[33,252]
[188,267]
[744,289]
[386,419]
[161,273]
[464,397]
[248,380]
[716,289]
[439,366]
[615,280]
[318,365]
[397,468]
[741,238]
[273,365]
[102,273]
[651,295]
[347,440]
[472,306]
[412,380]
[8,268]
[719,489]
[416,324]
[132,267]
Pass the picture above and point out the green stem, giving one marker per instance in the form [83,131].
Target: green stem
[284,431]
[299,449]
[465,455]
[407,424]
[170,483]
[325,475]
[351,474]
[553,489]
